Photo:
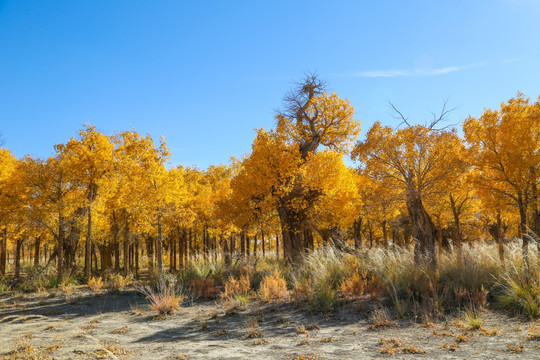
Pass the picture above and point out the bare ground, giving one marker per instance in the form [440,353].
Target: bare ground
[82,325]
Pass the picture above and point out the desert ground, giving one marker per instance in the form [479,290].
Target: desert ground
[79,324]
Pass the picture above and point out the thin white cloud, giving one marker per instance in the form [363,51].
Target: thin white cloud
[512,60]
[412,73]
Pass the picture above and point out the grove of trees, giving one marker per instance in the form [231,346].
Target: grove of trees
[111,202]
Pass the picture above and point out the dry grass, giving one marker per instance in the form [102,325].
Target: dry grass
[381,319]
[203,287]
[274,288]
[235,287]
[96,284]
[253,334]
[393,346]
[533,332]
[353,287]
[165,299]
[24,350]
[119,282]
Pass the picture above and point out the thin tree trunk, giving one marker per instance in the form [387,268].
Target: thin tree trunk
[524,239]
[263,243]
[226,252]
[18,259]
[243,243]
[3,250]
[385,234]
[137,257]
[60,249]
[277,246]
[191,249]
[150,253]
[159,248]
[88,247]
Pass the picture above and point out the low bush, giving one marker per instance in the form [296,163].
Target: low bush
[274,288]
[164,299]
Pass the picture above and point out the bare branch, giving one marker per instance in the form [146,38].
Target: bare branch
[399,116]
[442,117]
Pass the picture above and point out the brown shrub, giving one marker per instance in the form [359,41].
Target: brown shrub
[274,288]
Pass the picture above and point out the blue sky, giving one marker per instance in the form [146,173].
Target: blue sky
[205,74]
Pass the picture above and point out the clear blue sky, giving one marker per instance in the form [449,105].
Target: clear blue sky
[205,74]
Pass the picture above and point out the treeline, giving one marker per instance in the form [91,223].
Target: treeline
[110,202]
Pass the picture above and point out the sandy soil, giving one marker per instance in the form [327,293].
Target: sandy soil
[83,325]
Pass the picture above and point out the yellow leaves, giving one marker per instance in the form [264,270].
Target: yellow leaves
[337,185]
[415,157]
[327,120]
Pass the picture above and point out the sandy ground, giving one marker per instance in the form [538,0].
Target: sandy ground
[83,325]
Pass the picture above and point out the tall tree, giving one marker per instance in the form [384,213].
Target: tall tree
[90,159]
[505,150]
[311,118]
[416,160]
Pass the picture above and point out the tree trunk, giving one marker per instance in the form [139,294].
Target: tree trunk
[384,234]
[204,243]
[308,238]
[137,257]
[159,248]
[357,230]
[524,239]
[37,245]
[150,253]
[88,247]
[243,243]
[226,252]
[338,239]
[423,229]
[291,233]
[277,246]
[458,238]
[3,250]
[18,259]
[255,245]
[247,244]
[60,249]
[94,257]
[263,243]
[106,256]
[495,229]
[191,250]
[172,259]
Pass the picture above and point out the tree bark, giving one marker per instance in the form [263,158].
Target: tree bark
[3,250]
[150,253]
[226,252]
[243,243]
[291,233]
[105,252]
[263,245]
[137,257]
[18,259]
[159,248]
[524,239]
[424,232]
[37,245]
[60,249]
[88,247]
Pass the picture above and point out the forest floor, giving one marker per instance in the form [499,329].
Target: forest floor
[119,325]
